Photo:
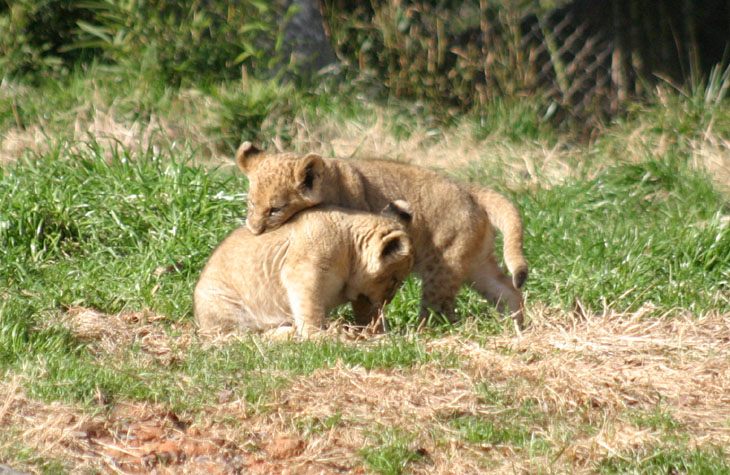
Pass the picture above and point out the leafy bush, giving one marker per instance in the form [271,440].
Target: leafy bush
[33,35]
[211,38]
[247,111]
[185,38]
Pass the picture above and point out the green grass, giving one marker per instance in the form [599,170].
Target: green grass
[647,231]
[391,452]
[19,453]
[637,234]
[481,430]
[660,419]
[75,233]
[668,459]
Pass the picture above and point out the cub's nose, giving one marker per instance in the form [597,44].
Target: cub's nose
[255,226]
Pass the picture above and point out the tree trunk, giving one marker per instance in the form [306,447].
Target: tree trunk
[305,40]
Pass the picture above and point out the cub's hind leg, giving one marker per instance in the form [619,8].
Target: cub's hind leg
[492,283]
[219,314]
[440,286]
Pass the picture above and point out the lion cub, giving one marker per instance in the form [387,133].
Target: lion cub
[292,276]
[451,229]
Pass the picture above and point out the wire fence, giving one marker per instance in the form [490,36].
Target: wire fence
[585,58]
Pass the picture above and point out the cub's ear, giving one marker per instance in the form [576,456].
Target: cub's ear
[309,171]
[247,156]
[395,245]
[382,253]
[400,210]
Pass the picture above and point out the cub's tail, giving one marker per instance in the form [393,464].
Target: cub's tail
[505,216]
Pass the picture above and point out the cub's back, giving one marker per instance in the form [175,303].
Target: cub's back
[243,259]
[442,209]
[428,192]
[239,286]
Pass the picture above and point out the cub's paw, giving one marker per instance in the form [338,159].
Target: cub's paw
[282,333]
[310,332]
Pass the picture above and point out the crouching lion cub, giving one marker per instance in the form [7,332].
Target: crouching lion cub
[290,278]
[452,223]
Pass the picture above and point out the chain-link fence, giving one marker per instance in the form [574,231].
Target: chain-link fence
[585,58]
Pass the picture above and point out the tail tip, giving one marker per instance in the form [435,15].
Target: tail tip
[519,277]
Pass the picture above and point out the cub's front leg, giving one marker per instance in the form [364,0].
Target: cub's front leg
[310,297]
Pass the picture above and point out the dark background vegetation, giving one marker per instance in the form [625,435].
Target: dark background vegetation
[581,59]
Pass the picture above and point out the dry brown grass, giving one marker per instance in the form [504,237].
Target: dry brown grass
[528,164]
[617,361]
[104,123]
[584,379]
[115,333]
[131,438]
[605,368]
[15,142]
[101,125]
[712,154]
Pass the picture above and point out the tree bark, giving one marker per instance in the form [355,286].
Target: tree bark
[305,40]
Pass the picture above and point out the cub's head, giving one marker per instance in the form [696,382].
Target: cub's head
[385,254]
[280,185]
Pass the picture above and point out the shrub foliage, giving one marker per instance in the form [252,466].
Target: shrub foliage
[176,39]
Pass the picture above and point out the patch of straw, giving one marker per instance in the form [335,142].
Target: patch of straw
[115,333]
[518,165]
[613,363]
[596,370]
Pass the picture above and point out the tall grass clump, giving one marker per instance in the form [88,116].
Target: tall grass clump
[79,225]
[682,113]
[648,232]
[432,51]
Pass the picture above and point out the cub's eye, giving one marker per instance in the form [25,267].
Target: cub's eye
[273,211]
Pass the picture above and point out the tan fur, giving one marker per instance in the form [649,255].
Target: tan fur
[294,275]
[451,230]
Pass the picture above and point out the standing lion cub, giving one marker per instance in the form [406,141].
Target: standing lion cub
[451,229]
[292,276]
